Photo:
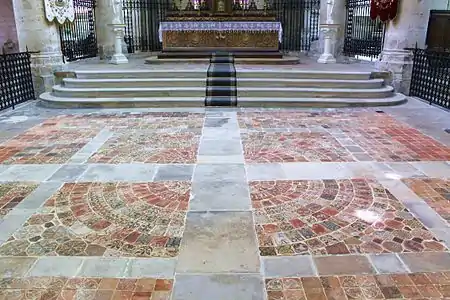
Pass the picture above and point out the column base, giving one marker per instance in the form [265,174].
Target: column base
[326,59]
[118,59]
[399,63]
[43,66]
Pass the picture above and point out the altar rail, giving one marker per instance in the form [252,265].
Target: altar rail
[16,81]
[431,76]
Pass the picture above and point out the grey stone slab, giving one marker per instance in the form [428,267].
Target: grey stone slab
[218,287]
[68,173]
[3,168]
[14,267]
[217,172]
[151,267]
[219,242]
[437,169]
[228,159]
[259,172]
[426,261]
[220,122]
[315,171]
[90,148]
[103,267]
[289,266]
[11,223]
[56,266]
[220,147]
[426,215]
[443,234]
[221,133]
[122,172]
[220,195]
[387,263]
[404,170]
[36,173]
[38,197]
[174,172]
[401,192]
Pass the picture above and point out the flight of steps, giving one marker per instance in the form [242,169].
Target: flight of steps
[186,88]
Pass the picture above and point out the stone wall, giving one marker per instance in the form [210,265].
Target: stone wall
[7,23]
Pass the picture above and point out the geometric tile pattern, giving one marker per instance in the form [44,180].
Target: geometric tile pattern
[395,286]
[48,143]
[62,288]
[149,147]
[435,192]
[322,217]
[335,136]
[12,194]
[106,219]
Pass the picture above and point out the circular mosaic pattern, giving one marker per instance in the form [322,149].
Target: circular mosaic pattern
[264,147]
[107,219]
[335,217]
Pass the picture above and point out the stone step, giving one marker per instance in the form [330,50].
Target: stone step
[301,74]
[382,92]
[49,100]
[131,74]
[119,92]
[201,82]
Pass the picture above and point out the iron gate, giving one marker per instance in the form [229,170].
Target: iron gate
[363,36]
[16,81]
[79,39]
[142,18]
[300,23]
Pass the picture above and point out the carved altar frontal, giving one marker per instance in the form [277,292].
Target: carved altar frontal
[231,35]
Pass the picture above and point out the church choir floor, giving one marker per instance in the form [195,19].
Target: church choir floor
[225,204]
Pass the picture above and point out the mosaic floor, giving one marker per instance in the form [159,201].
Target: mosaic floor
[185,204]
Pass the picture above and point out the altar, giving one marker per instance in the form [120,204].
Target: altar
[222,25]
[228,35]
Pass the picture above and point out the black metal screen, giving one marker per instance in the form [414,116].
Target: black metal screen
[363,36]
[142,18]
[300,21]
[431,76]
[16,81]
[78,38]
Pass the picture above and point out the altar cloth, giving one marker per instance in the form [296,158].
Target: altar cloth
[220,26]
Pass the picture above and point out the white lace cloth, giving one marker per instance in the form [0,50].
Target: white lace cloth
[221,26]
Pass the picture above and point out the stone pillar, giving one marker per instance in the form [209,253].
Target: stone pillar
[36,33]
[8,33]
[408,28]
[105,34]
[338,16]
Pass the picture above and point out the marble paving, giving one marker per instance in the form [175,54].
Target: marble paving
[184,204]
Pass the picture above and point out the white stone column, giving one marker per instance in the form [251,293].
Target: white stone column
[105,35]
[409,28]
[34,32]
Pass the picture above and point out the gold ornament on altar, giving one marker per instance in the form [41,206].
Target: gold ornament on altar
[61,10]
[221,6]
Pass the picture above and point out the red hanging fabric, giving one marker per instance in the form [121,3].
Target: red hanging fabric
[385,9]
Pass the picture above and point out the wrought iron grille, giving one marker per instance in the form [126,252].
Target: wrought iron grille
[431,76]
[142,18]
[16,81]
[79,38]
[363,36]
[300,21]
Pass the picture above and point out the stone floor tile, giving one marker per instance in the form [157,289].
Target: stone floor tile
[151,267]
[15,266]
[404,170]
[288,266]
[228,159]
[11,223]
[314,170]
[218,242]
[219,195]
[122,172]
[343,265]
[387,263]
[219,172]
[221,133]
[3,168]
[228,122]
[433,169]
[68,173]
[426,215]
[218,287]
[174,172]
[256,172]
[36,173]
[12,194]
[56,266]
[104,267]
[427,262]
[220,148]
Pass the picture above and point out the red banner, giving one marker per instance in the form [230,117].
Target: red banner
[385,9]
